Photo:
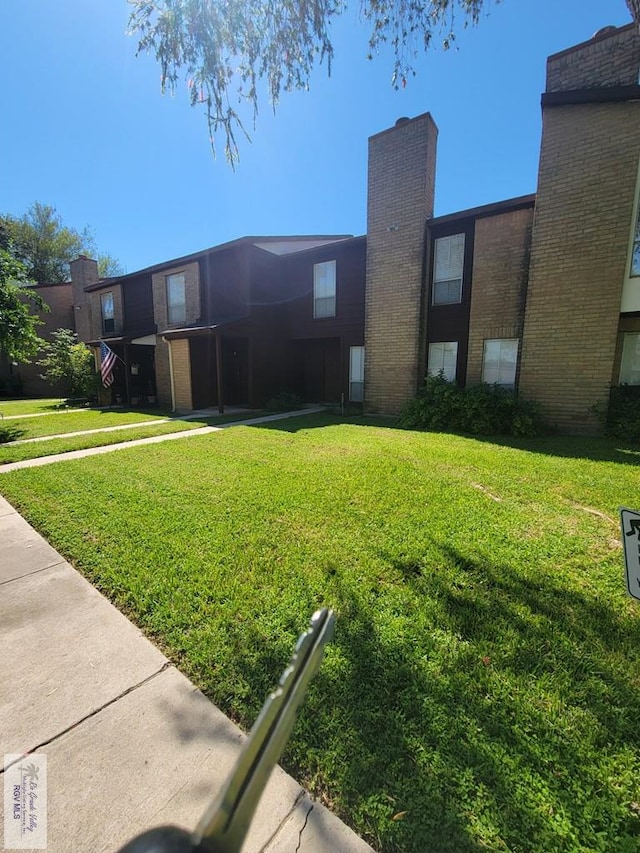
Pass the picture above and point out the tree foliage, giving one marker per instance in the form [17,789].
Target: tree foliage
[18,338]
[46,245]
[69,364]
[227,50]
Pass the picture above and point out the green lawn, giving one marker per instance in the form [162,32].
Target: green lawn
[483,687]
[11,406]
[16,452]
[35,427]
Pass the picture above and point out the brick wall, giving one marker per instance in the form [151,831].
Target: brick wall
[582,222]
[612,59]
[180,351]
[59,298]
[95,313]
[192,295]
[500,271]
[181,374]
[400,200]
[84,272]
[163,374]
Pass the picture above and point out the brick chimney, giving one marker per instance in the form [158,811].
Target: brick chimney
[84,272]
[400,199]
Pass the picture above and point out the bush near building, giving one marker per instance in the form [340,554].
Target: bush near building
[476,410]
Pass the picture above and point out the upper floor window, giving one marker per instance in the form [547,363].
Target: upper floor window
[499,362]
[108,317]
[443,359]
[176,299]
[324,289]
[448,264]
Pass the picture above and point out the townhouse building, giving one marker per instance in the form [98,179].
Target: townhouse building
[237,324]
[539,293]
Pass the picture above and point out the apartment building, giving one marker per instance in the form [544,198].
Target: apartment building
[539,293]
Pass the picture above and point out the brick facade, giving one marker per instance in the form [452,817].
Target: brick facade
[84,273]
[583,219]
[611,59]
[400,200]
[500,272]
[181,364]
[95,313]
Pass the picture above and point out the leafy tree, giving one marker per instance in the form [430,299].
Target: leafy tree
[108,266]
[18,338]
[70,364]
[227,49]
[47,246]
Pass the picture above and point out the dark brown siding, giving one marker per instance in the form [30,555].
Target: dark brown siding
[451,322]
[137,298]
[225,285]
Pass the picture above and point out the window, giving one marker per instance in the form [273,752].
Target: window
[176,302]
[635,251]
[499,362]
[448,262]
[630,365]
[324,289]
[443,358]
[356,374]
[106,308]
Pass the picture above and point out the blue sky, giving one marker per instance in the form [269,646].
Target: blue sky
[86,129]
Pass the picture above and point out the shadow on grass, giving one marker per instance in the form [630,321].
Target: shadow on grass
[9,433]
[571,447]
[317,420]
[508,721]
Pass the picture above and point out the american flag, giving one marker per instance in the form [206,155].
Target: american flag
[107,361]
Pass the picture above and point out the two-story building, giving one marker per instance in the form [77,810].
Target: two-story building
[238,323]
[539,293]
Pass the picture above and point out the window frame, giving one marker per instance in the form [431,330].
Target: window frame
[435,281]
[625,356]
[172,318]
[512,384]
[326,265]
[108,317]
[359,371]
[431,371]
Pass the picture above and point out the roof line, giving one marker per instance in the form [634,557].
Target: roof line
[172,262]
[493,209]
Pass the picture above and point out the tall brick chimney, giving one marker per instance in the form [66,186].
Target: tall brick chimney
[400,199]
[84,272]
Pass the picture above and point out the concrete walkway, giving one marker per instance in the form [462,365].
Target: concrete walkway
[130,742]
[109,448]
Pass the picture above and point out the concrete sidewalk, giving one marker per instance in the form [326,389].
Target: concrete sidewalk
[39,461]
[130,742]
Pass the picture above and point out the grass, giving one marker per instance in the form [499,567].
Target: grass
[19,452]
[482,691]
[11,406]
[36,427]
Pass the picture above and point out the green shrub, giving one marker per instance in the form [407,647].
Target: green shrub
[623,414]
[9,433]
[284,402]
[477,410]
[69,364]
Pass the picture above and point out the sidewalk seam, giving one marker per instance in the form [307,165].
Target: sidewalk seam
[34,572]
[272,838]
[166,665]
